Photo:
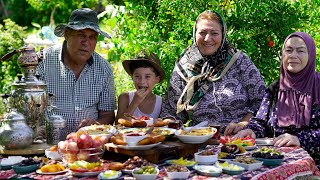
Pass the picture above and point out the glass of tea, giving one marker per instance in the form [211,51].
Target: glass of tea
[175,124]
[217,134]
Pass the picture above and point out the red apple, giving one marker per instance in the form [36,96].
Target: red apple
[62,146]
[104,139]
[83,155]
[96,144]
[72,137]
[85,141]
[72,147]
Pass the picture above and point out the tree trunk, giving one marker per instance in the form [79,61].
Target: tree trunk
[52,17]
[4,8]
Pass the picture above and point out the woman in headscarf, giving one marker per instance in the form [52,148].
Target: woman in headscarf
[212,81]
[290,110]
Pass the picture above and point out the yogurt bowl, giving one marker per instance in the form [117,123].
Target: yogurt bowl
[132,139]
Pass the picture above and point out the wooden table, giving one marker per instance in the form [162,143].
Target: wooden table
[153,154]
[33,149]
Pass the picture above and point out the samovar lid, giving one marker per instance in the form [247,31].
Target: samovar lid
[14,115]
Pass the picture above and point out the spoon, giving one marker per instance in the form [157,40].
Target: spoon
[149,130]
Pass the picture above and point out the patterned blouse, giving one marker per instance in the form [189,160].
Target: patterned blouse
[265,124]
[229,99]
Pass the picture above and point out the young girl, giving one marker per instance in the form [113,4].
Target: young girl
[146,72]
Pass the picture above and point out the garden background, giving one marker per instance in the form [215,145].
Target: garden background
[256,27]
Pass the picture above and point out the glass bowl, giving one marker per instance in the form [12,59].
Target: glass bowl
[89,155]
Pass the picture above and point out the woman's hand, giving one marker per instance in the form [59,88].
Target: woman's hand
[244,133]
[233,128]
[286,140]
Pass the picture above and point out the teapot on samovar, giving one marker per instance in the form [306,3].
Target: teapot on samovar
[28,96]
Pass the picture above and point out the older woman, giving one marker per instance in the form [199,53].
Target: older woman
[212,80]
[290,110]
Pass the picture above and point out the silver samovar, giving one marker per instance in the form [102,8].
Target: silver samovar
[28,96]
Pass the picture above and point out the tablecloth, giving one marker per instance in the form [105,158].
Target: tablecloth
[297,164]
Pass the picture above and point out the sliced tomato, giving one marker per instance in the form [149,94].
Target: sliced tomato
[249,139]
[96,169]
[79,170]
[224,140]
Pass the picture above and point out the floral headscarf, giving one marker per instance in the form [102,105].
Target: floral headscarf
[298,91]
[202,69]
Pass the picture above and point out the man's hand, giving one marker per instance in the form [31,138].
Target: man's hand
[234,128]
[87,122]
[244,133]
[286,140]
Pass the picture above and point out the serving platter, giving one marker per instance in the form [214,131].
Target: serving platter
[50,173]
[249,148]
[138,147]
[163,131]
[85,174]
[100,130]
[195,139]
[264,141]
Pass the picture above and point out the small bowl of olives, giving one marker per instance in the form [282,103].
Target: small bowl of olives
[269,156]
[146,173]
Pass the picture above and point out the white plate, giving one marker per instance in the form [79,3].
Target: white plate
[50,173]
[193,139]
[249,148]
[248,167]
[212,171]
[111,131]
[139,147]
[123,131]
[118,174]
[264,141]
[85,174]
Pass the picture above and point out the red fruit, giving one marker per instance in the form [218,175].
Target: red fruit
[85,141]
[72,147]
[96,144]
[62,146]
[144,118]
[271,43]
[72,137]
[104,139]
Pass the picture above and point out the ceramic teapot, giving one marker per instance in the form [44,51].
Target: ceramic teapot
[14,132]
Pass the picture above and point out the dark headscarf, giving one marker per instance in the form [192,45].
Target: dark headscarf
[298,91]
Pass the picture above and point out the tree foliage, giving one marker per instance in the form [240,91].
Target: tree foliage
[257,28]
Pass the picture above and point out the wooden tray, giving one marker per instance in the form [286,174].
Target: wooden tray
[153,154]
[35,148]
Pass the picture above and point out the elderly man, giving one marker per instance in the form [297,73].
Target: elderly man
[80,79]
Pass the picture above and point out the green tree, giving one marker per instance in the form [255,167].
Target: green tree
[257,28]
